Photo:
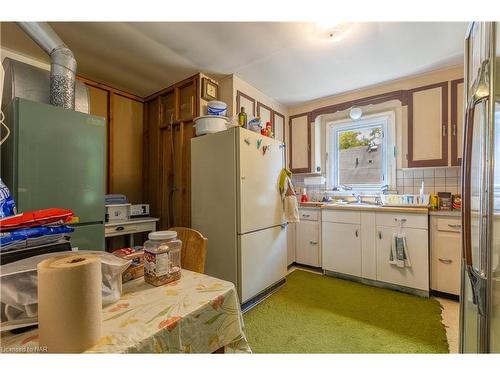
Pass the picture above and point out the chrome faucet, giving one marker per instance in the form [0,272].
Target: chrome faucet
[358,197]
[342,187]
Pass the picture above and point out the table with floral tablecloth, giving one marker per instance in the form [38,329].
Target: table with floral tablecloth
[195,314]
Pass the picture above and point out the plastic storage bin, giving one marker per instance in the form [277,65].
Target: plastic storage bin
[162,258]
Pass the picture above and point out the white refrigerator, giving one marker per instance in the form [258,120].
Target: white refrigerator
[236,204]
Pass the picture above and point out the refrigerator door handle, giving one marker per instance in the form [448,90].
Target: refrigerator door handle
[477,279]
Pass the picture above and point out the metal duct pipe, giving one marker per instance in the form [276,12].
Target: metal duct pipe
[62,62]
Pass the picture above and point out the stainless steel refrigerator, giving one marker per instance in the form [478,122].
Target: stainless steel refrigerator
[55,157]
[236,204]
[480,294]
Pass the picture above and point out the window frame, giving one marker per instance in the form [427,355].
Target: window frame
[384,119]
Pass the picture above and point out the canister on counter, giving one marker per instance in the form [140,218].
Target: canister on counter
[162,258]
[444,201]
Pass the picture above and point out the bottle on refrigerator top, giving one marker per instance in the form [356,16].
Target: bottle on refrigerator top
[242,117]
[162,258]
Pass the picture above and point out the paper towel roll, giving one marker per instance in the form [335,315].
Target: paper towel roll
[69,303]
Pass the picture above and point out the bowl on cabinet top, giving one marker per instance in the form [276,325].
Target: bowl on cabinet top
[217,108]
[210,124]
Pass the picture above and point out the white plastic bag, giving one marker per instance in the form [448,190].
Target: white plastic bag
[18,286]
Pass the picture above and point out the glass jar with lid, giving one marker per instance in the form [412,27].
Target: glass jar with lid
[162,257]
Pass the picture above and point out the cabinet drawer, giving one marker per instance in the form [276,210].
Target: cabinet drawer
[308,214]
[118,230]
[409,220]
[341,216]
[449,225]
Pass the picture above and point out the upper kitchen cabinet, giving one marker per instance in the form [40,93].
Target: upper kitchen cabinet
[179,103]
[187,95]
[428,126]
[457,120]
[279,126]
[300,143]
[305,145]
[169,128]
[247,102]
[124,121]
[265,113]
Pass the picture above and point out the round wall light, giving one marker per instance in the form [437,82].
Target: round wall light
[355,113]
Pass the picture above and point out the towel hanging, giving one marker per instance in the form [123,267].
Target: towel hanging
[399,255]
[290,203]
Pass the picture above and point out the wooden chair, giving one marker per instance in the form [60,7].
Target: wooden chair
[194,249]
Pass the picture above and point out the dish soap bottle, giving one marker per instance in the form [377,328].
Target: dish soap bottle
[242,117]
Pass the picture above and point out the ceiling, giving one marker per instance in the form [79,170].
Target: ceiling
[291,62]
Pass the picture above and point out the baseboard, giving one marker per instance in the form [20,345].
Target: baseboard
[379,284]
[437,293]
[254,301]
[306,267]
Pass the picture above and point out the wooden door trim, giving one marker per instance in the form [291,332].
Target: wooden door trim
[238,104]
[455,160]
[444,123]
[401,95]
[290,132]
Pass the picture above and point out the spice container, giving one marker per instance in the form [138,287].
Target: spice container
[162,258]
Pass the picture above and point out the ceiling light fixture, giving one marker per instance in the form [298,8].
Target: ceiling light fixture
[332,31]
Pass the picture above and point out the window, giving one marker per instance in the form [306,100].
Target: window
[361,152]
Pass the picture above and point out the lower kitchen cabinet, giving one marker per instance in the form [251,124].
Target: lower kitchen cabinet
[341,244]
[445,254]
[416,276]
[358,243]
[307,246]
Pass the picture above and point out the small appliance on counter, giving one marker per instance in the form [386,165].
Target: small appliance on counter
[139,210]
[118,212]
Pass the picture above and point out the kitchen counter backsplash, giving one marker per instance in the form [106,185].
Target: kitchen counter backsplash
[408,181]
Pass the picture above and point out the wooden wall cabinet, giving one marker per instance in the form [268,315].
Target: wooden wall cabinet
[300,143]
[169,119]
[279,126]
[124,120]
[457,120]
[247,102]
[428,126]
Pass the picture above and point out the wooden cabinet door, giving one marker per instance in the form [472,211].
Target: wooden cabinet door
[428,126]
[307,246]
[125,148]
[247,102]
[416,276]
[341,248]
[300,143]
[446,250]
[279,126]
[187,101]
[168,113]
[265,113]
[457,120]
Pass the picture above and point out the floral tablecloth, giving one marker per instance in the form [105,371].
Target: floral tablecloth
[196,314]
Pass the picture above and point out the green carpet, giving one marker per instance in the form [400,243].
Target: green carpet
[313,313]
